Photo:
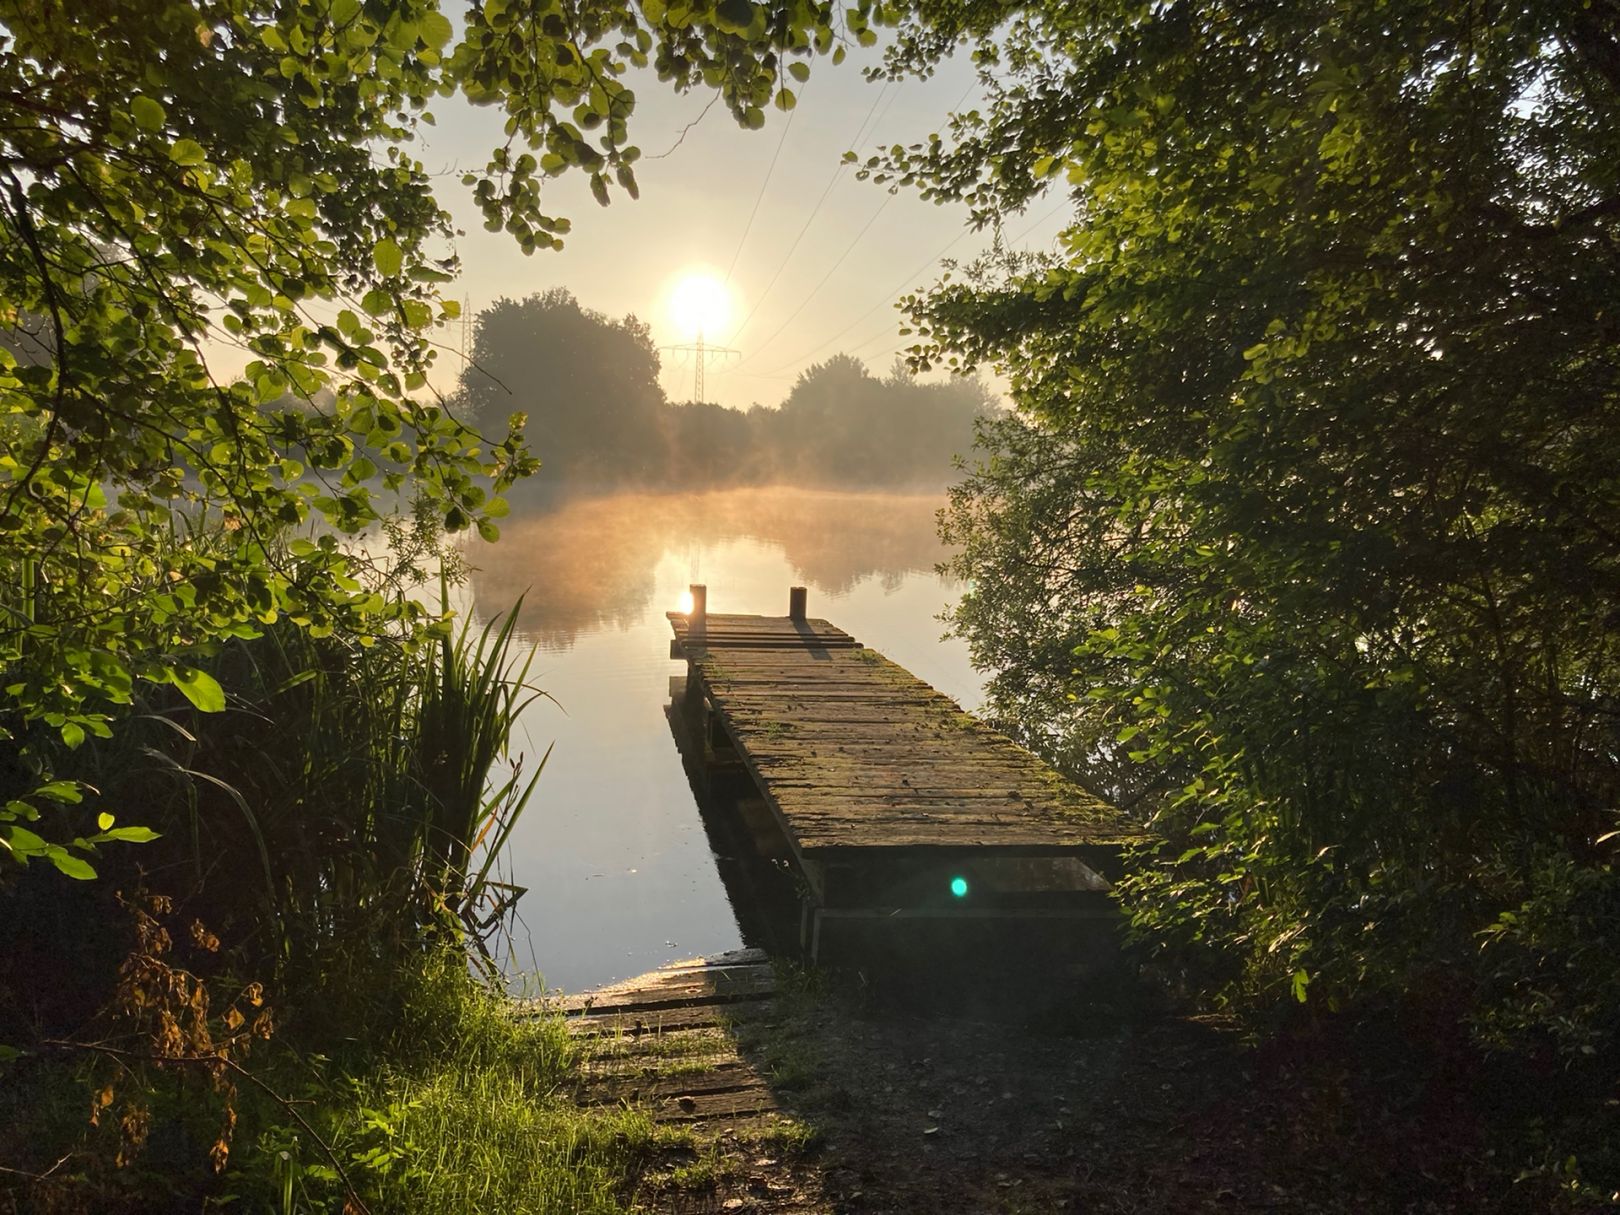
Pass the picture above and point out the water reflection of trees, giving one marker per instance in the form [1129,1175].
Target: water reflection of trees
[590,563]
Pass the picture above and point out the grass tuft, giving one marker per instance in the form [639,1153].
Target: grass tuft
[463,1104]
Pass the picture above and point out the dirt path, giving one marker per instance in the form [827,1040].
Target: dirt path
[791,1097]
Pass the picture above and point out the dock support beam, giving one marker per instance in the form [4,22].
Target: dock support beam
[698,617]
[796,603]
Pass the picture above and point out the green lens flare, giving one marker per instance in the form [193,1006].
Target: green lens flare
[959,887]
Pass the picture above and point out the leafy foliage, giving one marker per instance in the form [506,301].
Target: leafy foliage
[423,1089]
[1304,539]
[332,830]
[191,185]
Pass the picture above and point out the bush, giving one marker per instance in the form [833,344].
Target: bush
[1551,966]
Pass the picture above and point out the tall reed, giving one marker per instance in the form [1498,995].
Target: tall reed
[471,693]
[350,799]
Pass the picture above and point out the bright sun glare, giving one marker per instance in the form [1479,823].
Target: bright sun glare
[700,303]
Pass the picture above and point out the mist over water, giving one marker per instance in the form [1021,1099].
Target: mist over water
[593,563]
[619,871]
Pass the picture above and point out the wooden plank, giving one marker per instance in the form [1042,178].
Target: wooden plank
[743,625]
[755,1101]
[647,1063]
[698,637]
[1024,838]
[923,791]
[668,996]
[727,1075]
[645,1068]
[653,1023]
[748,619]
[663,989]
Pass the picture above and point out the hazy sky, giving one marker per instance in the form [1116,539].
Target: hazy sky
[862,249]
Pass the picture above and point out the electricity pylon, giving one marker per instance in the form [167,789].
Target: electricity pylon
[702,352]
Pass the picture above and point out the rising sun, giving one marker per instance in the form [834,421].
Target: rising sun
[700,303]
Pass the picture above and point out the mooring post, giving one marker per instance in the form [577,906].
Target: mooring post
[697,619]
[796,597]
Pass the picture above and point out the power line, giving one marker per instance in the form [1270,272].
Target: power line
[949,245]
[859,135]
[814,211]
[1064,203]
[848,249]
[760,197]
[954,241]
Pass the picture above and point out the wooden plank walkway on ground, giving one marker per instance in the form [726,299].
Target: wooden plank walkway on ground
[857,756]
[662,1041]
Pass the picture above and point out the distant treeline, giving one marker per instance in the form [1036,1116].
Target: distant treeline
[589,385]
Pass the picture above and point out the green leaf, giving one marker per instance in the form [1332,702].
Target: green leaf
[435,29]
[388,257]
[25,843]
[132,835]
[148,114]
[734,16]
[1302,980]
[187,152]
[200,688]
[73,866]
[104,821]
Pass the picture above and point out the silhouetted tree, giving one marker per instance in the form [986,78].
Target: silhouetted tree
[841,425]
[588,383]
[712,445]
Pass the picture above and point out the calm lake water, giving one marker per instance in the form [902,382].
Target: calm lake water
[618,868]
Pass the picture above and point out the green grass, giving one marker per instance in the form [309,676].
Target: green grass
[790,1137]
[443,1099]
[453,1141]
[710,1168]
[674,1045]
[462,1104]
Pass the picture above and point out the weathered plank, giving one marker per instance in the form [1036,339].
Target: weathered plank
[650,1024]
[758,628]
[667,989]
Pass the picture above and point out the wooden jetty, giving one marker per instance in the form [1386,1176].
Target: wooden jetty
[890,801]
